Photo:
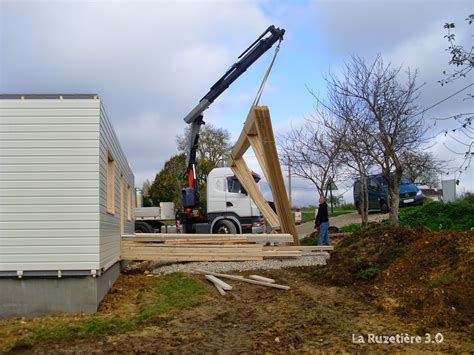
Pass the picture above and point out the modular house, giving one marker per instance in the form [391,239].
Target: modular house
[66,196]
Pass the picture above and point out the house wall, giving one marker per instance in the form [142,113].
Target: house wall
[49,184]
[110,228]
[53,155]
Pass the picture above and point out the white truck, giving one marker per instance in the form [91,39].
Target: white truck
[229,210]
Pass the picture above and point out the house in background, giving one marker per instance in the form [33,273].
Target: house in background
[66,196]
[432,193]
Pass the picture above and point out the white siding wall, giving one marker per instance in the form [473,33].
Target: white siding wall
[49,162]
[52,186]
[110,223]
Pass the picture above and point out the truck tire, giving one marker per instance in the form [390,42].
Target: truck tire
[384,206]
[224,227]
[359,211]
[143,227]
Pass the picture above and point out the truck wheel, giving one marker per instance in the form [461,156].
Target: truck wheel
[143,227]
[383,206]
[224,227]
[358,209]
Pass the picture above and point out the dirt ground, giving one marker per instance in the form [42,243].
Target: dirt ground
[308,318]
[383,282]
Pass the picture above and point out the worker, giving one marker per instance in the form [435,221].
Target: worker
[322,221]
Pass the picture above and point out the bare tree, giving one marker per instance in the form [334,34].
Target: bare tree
[421,167]
[338,115]
[312,154]
[384,110]
[462,59]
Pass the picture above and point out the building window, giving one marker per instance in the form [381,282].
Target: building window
[129,203]
[110,183]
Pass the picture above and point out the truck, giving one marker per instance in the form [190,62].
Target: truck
[229,208]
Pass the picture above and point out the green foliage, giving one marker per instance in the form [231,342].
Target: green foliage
[353,227]
[444,279]
[436,216]
[347,207]
[338,212]
[168,182]
[369,273]
[213,149]
[169,292]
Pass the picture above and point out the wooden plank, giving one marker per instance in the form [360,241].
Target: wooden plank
[221,291]
[300,247]
[134,256]
[261,278]
[257,147]
[242,144]
[275,179]
[223,285]
[242,279]
[242,172]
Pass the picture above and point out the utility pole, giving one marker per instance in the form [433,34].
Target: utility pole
[289,181]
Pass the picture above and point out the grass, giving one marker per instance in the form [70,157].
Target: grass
[353,227]
[308,214]
[369,273]
[444,279]
[167,293]
[440,216]
[436,216]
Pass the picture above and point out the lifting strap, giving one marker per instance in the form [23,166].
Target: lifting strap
[262,85]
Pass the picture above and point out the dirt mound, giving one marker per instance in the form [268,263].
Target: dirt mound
[359,258]
[415,273]
[433,281]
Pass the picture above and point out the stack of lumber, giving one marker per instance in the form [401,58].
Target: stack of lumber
[190,252]
[195,247]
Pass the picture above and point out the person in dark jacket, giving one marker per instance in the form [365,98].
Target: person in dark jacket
[322,222]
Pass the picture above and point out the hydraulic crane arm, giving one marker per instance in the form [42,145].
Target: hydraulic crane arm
[263,43]
[247,58]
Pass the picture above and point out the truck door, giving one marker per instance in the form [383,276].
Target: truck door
[237,200]
[216,194]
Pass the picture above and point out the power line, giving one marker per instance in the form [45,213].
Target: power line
[446,99]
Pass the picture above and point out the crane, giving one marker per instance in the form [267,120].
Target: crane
[195,118]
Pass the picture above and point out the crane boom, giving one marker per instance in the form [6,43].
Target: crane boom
[195,118]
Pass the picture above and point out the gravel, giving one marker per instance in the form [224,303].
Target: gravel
[226,266]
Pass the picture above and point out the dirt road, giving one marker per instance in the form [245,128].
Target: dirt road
[339,221]
[310,317]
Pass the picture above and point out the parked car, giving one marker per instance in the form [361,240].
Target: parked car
[378,191]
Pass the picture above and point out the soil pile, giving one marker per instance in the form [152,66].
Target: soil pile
[358,259]
[434,280]
[427,276]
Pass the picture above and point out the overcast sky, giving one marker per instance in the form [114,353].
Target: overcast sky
[151,62]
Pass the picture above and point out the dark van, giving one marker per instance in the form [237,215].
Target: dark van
[378,192]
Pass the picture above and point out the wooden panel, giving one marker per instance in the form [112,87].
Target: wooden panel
[242,144]
[160,237]
[242,172]
[257,147]
[277,184]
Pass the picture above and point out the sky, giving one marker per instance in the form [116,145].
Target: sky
[152,61]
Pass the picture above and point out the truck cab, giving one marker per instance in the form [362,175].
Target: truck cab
[229,208]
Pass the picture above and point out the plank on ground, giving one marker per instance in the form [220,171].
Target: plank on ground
[242,279]
[261,278]
[218,282]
